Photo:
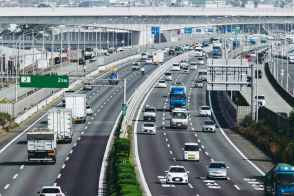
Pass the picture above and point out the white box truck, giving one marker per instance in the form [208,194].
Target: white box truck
[60,121]
[41,143]
[77,104]
[158,57]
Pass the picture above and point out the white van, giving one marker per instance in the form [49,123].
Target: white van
[176,67]
[291,59]
[193,65]
[168,76]
[202,75]
[191,152]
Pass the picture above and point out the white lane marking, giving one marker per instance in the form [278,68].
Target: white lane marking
[114,93]
[6,187]
[196,135]
[107,99]
[92,118]
[163,114]
[163,123]
[79,138]
[101,106]
[170,152]
[166,139]
[211,160]
[202,146]
[15,176]
[89,122]
[164,133]
[21,167]
[104,103]
[198,140]
[174,159]
[55,184]
[168,145]
[83,133]
[95,114]
[70,151]
[75,144]
[229,141]
[191,124]
[63,166]
[206,153]
[110,96]
[193,129]
[67,158]
[59,175]
[86,127]
[190,185]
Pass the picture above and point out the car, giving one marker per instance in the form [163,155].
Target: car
[149,128]
[200,61]
[51,191]
[89,111]
[149,61]
[198,84]
[205,111]
[135,66]
[248,57]
[260,100]
[111,50]
[168,76]
[291,59]
[217,169]
[258,73]
[208,126]
[184,63]
[176,67]
[186,70]
[87,86]
[171,51]
[193,65]
[186,47]
[177,174]
[162,84]
[205,44]
[149,113]
[120,49]
[82,62]
[202,74]
[191,151]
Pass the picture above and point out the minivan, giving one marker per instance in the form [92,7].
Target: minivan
[193,65]
[191,151]
[176,67]
[168,76]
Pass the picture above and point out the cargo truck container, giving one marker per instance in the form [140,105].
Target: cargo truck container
[77,104]
[158,57]
[41,145]
[60,121]
[178,98]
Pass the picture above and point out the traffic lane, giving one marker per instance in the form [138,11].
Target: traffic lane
[61,150]
[95,137]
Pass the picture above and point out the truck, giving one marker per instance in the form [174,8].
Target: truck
[158,57]
[77,104]
[179,118]
[149,113]
[198,51]
[41,145]
[113,78]
[60,121]
[135,66]
[253,40]
[279,180]
[216,50]
[236,44]
[74,54]
[144,56]
[178,98]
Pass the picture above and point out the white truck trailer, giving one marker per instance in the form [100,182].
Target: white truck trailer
[60,121]
[41,143]
[77,104]
[158,57]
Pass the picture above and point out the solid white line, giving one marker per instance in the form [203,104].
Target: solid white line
[232,144]
[15,176]
[19,135]
[21,167]
[190,185]
[237,187]
[59,175]
[63,166]
[6,187]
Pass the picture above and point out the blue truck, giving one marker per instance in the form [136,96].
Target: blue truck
[236,44]
[113,78]
[279,180]
[253,40]
[178,98]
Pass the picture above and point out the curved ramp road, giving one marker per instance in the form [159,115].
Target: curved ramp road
[78,164]
[158,152]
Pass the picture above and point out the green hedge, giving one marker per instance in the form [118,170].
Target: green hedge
[282,92]
[121,178]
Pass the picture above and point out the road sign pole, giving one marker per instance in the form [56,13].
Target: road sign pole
[125,90]
[252,93]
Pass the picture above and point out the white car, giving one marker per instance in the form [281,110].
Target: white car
[260,100]
[149,61]
[191,151]
[87,86]
[184,63]
[176,67]
[200,60]
[198,84]
[51,191]
[193,65]
[89,111]
[177,174]
[168,76]
[217,169]
[208,126]
[162,84]
[186,70]
[291,59]
[149,128]
[205,111]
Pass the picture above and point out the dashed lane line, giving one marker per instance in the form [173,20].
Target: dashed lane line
[170,152]
[67,158]
[237,187]
[86,127]
[168,145]
[63,166]
[206,153]
[15,176]
[6,187]
[83,133]
[190,185]
[59,175]
[21,167]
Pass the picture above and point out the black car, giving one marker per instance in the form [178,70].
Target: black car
[171,51]
[82,62]
[258,73]
[205,44]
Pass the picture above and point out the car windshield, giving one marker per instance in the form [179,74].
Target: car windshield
[202,73]
[148,125]
[200,59]
[286,179]
[198,50]
[88,107]
[178,97]
[176,65]
[149,110]
[217,165]
[191,148]
[50,190]
[168,74]
[260,97]
[209,123]
[205,108]
[199,81]
[193,64]
[163,82]
[179,115]
[177,170]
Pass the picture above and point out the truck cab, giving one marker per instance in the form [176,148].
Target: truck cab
[178,98]
[113,78]
[279,180]
[179,118]
[135,66]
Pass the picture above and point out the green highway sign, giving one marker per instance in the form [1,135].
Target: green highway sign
[38,81]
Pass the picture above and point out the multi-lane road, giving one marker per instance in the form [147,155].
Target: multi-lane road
[78,164]
[158,152]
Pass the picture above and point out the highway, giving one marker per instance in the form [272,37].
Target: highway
[78,164]
[158,152]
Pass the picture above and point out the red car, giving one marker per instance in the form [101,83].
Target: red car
[248,57]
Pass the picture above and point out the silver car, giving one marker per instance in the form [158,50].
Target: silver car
[208,126]
[217,169]
[149,128]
